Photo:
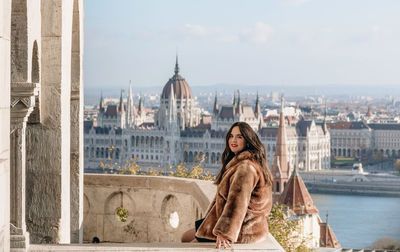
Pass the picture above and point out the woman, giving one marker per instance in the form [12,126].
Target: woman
[243,199]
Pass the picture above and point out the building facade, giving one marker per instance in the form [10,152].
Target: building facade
[179,133]
[357,139]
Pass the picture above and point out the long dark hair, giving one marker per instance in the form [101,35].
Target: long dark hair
[253,145]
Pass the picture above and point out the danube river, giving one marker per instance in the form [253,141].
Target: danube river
[358,221]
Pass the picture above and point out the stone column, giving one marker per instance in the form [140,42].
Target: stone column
[22,104]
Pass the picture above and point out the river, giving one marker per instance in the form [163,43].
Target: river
[358,221]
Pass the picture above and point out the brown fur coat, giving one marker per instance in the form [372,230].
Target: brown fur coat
[241,204]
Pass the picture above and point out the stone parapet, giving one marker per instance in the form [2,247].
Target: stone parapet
[159,209]
[269,245]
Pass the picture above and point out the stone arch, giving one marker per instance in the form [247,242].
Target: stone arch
[113,202]
[213,158]
[171,211]
[190,156]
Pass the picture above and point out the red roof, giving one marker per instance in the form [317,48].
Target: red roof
[297,197]
[327,237]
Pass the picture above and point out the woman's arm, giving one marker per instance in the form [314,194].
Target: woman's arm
[243,182]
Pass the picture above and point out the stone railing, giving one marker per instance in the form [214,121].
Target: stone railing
[158,211]
[129,208]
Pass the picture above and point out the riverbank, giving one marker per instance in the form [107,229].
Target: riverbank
[350,183]
[353,189]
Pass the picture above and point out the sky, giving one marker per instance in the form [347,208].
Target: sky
[254,42]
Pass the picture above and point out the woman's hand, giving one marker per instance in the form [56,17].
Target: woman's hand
[222,241]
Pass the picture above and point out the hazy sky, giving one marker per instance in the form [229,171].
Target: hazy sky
[253,42]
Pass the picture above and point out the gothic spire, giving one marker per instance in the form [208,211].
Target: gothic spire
[324,126]
[121,102]
[257,109]
[215,104]
[280,166]
[176,65]
[141,107]
[101,105]
[239,104]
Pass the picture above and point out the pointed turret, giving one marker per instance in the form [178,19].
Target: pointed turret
[101,105]
[140,106]
[324,125]
[177,65]
[257,108]
[239,109]
[280,165]
[327,236]
[297,197]
[121,103]
[172,106]
[215,110]
[130,108]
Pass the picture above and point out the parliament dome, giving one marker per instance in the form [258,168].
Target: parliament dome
[180,86]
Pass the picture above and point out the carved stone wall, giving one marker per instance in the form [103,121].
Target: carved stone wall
[5,25]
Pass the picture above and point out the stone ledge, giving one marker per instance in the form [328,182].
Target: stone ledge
[269,245]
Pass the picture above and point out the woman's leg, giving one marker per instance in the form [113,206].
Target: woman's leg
[188,236]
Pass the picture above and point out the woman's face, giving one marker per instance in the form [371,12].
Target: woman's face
[236,140]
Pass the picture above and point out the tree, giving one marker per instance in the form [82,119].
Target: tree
[285,229]
[386,243]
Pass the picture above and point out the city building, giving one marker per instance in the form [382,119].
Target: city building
[181,133]
[356,139]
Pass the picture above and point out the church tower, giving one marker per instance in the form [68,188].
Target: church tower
[280,165]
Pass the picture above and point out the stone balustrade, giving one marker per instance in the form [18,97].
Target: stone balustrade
[154,209]
[159,209]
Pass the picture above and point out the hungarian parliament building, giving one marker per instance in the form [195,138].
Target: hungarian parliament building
[180,133]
